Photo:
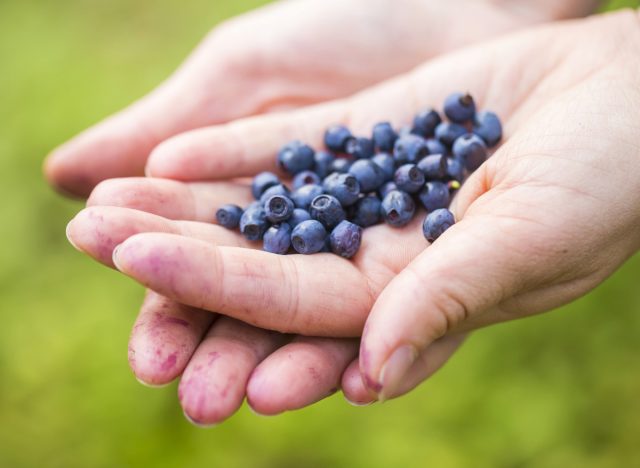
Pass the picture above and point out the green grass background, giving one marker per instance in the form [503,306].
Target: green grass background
[559,390]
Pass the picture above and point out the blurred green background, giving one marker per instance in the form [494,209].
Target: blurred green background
[559,390]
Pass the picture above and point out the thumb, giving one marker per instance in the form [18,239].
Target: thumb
[470,269]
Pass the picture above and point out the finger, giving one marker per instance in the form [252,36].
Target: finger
[97,230]
[291,293]
[299,374]
[164,338]
[246,146]
[213,385]
[168,198]
[432,358]
[471,268]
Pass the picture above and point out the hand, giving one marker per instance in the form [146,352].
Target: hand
[201,93]
[285,55]
[539,224]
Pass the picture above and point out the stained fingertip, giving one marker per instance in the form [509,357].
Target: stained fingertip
[70,233]
[353,388]
[199,424]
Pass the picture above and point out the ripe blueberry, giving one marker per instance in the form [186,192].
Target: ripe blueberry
[345,239]
[229,216]
[386,188]
[277,239]
[298,216]
[308,237]
[434,195]
[366,212]
[369,175]
[386,163]
[253,222]
[327,209]
[359,148]
[459,107]
[345,187]
[448,132]
[278,208]
[384,136]
[322,163]
[336,138]
[305,178]
[409,178]
[410,149]
[488,127]
[303,196]
[434,167]
[436,223]
[295,157]
[262,182]
[425,123]
[397,208]
[279,189]
[471,150]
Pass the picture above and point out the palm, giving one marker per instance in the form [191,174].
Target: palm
[530,110]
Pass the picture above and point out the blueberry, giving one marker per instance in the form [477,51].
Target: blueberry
[434,195]
[434,167]
[397,208]
[425,123]
[345,187]
[471,150]
[262,182]
[327,209]
[295,157]
[278,208]
[341,165]
[366,212]
[436,223]
[409,178]
[455,169]
[448,132]
[435,147]
[253,222]
[488,127]
[345,239]
[279,189]
[409,149]
[229,216]
[308,237]
[459,107]
[360,148]
[303,196]
[305,178]
[369,174]
[322,163]
[384,136]
[277,239]
[386,188]
[336,138]
[386,163]
[298,216]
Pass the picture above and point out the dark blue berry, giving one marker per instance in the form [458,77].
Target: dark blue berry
[341,165]
[471,150]
[298,216]
[279,189]
[434,167]
[336,138]
[435,147]
[397,208]
[278,208]
[229,216]
[327,209]
[308,237]
[262,182]
[277,239]
[386,188]
[434,195]
[366,212]
[295,157]
[455,169]
[305,178]
[344,187]
[436,223]
[253,222]
[384,136]
[360,148]
[459,107]
[322,163]
[409,178]
[345,239]
[369,175]
[448,132]
[488,127]
[409,149]
[304,195]
[386,162]
[425,123]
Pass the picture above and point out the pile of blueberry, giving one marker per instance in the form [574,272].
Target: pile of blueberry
[360,181]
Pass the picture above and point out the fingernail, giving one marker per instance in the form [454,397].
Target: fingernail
[114,256]
[197,423]
[354,403]
[395,369]
[150,385]
[70,239]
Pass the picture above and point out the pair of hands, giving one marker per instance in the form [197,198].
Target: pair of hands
[546,219]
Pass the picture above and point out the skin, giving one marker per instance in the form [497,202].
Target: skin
[64,169]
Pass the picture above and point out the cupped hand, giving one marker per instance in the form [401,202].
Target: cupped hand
[545,220]
[285,55]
